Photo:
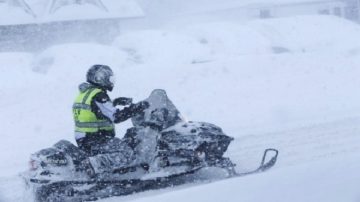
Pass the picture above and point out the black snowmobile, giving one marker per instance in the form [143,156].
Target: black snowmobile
[161,150]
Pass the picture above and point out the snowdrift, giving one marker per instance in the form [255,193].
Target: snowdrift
[310,33]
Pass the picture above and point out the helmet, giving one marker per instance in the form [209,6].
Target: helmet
[101,76]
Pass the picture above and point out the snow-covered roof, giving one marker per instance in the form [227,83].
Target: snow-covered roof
[196,6]
[43,11]
[255,3]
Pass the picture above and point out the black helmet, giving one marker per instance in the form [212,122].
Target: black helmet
[101,76]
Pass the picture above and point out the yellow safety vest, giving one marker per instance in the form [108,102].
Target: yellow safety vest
[86,120]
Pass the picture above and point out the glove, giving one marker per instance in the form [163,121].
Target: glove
[132,110]
[140,107]
[122,101]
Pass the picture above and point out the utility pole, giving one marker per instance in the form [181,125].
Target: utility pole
[353,10]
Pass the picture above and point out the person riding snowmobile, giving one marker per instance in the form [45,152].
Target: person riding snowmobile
[95,113]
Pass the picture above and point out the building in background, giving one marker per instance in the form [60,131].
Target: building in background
[251,9]
[348,9]
[353,10]
[285,8]
[35,24]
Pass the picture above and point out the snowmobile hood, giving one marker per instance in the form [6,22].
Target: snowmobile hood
[85,86]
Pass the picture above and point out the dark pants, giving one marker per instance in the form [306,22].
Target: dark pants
[107,153]
[91,142]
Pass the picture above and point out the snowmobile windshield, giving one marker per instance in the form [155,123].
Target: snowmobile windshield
[162,112]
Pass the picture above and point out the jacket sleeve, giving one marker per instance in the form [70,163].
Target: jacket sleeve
[105,108]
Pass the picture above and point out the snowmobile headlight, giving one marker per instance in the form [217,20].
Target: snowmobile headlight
[200,154]
[57,160]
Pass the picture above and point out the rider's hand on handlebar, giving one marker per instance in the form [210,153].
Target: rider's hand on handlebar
[122,101]
[141,106]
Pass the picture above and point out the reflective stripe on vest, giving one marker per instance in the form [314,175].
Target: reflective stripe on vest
[85,119]
[81,106]
[93,124]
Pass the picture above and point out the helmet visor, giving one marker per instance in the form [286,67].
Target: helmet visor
[112,79]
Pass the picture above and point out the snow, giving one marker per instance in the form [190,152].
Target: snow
[13,14]
[303,101]
[301,34]
[152,51]
[282,184]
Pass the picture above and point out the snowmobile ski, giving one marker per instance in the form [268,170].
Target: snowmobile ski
[264,165]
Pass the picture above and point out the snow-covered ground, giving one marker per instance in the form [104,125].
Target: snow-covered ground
[290,83]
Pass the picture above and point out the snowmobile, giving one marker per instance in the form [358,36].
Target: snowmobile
[160,150]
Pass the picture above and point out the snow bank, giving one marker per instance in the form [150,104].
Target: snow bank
[162,47]
[72,60]
[14,70]
[327,180]
[194,44]
[230,39]
[14,15]
[208,41]
[310,33]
